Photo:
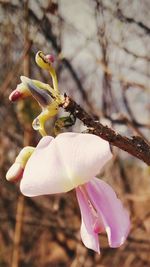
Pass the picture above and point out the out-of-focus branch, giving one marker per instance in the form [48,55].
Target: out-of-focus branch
[133,122]
[132,53]
[107,96]
[122,119]
[28,136]
[126,19]
[11,74]
[18,231]
[120,78]
[135,146]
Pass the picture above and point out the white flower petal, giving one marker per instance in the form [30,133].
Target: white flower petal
[61,164]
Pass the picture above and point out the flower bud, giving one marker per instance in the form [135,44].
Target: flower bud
[15,172]
[15,95]
[20,92]
[50,58]
[41,61]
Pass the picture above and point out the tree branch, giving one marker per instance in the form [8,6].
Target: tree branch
[135,145]
[123,18]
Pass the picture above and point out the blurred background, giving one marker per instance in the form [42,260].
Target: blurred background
[102,56]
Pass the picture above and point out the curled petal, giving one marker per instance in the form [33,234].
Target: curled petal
[69,160]
[115,217]
[41,60]
[89,237]
[41,95]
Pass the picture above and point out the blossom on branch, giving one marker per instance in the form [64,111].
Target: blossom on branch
[71,161]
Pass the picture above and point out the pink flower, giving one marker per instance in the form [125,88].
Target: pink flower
[72,160]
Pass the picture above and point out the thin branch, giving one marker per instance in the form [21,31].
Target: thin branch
[11,74]
[123,18]
[124,120]
[128,51]
[18,231]
[121,78]
[135,145]
[133,119]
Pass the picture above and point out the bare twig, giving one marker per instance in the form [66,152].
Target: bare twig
[11,74]
[135,146]
[126,19]
[18,230]
[27,139]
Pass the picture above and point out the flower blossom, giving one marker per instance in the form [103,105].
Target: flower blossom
[71,161]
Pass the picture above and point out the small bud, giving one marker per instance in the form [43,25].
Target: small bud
[20,92]
[50,58]
[44,61]
[15,95]
[15,172]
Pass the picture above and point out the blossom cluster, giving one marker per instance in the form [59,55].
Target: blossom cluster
[70,161]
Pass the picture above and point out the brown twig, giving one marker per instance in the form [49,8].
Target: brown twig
[135,145]
[11,74]
[27,139]
[18,231]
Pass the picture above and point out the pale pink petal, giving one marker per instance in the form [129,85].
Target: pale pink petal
[88,236]
[63,163]
[84,155]
[90,240]
[44,172]
[115,217]
[44,142]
